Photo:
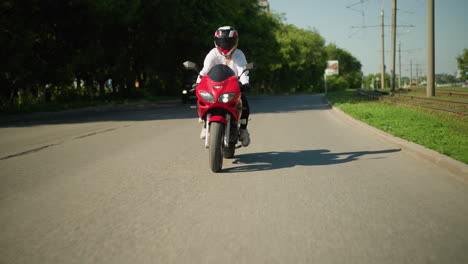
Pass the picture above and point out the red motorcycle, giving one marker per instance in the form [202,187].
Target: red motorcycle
[220,106]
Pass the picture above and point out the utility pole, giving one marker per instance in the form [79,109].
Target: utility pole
[392,73]
[382,77]
[417,74]
[362,80]
[399,64]
[430,89]
[411,74]
[382,26]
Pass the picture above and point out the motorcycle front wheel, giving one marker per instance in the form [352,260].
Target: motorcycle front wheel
[216,146]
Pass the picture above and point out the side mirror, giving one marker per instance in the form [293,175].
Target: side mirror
[191,66]
[250,67]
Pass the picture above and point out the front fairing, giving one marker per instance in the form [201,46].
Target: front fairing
[230,85]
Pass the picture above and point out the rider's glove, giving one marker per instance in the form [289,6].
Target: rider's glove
[245,87]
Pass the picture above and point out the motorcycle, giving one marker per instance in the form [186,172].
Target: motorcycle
[219,105]
[188,95]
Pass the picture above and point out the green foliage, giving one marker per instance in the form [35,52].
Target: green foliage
[368,81]
[302,60]
[376,80]
[446,78]
[337,83]
[61,51]
[462,61]
[349,66]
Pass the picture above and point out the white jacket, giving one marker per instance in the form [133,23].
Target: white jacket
[237,64]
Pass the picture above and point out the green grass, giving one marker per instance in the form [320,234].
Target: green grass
[444,133]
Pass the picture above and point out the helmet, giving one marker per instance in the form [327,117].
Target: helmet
[226,39]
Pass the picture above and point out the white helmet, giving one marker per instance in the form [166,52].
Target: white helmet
[226,39]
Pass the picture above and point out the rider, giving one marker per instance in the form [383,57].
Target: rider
[225,52]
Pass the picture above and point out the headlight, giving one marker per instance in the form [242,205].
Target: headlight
[184,92]
[226,97]
[207,97]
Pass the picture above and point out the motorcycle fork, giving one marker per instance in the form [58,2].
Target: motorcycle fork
[207,127]
[227,131]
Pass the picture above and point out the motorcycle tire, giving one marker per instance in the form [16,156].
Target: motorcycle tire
[229,152]
[216,146]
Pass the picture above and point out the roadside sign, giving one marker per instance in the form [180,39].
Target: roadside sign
[332,68]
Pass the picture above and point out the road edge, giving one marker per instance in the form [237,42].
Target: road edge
[456,168]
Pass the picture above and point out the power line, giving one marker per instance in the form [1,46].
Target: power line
[382,25]
[362,11]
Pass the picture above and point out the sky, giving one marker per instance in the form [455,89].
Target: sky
[354,25]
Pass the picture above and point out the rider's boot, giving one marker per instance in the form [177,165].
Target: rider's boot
[203,130]
[203,133]
[244,137]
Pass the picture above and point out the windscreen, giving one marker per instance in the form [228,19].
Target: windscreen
[220,73]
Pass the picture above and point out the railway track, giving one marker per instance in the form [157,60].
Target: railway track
[426,99]
[416,101]
[452,93]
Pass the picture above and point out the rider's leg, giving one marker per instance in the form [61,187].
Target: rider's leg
[244,133]
[203,130]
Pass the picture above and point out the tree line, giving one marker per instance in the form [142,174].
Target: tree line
[62,51]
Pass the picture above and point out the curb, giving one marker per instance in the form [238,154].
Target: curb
[458,169]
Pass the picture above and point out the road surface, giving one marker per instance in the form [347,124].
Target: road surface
[134,186]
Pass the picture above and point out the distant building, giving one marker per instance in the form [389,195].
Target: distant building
[264,4]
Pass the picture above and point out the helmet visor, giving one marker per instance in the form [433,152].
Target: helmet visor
[225,43]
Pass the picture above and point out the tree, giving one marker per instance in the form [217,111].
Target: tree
[61,51]
[302,60]
[462,61]
[349,66]
[369,81]
[337,83]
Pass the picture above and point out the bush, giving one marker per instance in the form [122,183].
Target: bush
[337,83]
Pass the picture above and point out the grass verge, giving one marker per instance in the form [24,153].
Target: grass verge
[443,132]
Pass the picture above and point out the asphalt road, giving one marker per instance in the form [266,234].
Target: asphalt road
[134,186]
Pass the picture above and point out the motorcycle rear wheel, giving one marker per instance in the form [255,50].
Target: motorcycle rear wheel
[216,146]
[229,152]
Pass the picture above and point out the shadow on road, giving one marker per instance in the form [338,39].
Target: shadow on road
[280,160]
